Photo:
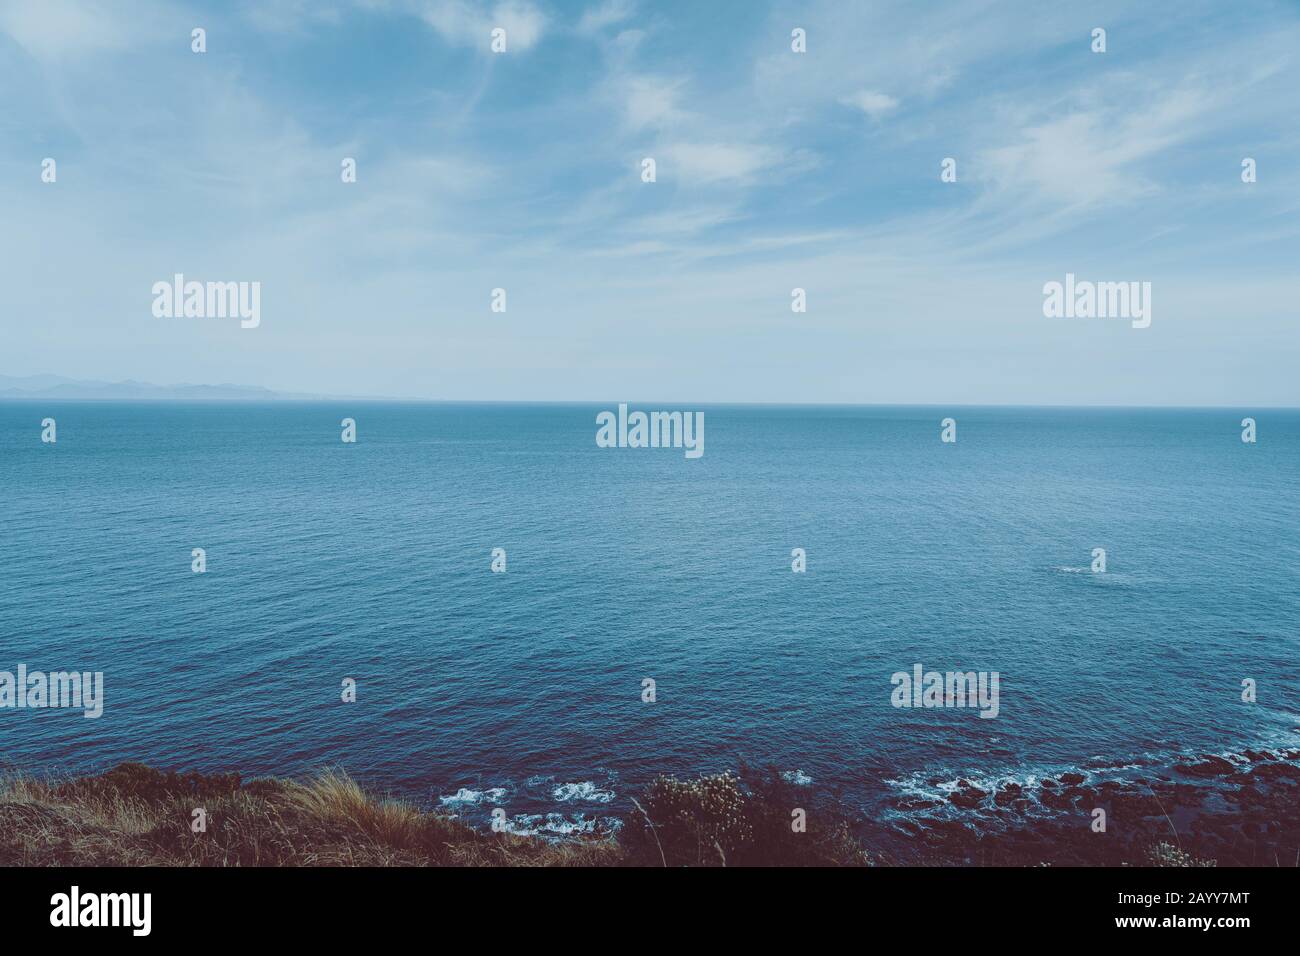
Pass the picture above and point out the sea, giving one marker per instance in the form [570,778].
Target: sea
[371,562]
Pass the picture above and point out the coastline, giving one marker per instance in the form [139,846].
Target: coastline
[1232,809]
[1241,810]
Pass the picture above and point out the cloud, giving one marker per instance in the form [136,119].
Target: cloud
[605,15]
[714,162]
[917,50]
[686,223]
[292,16]
[1092,155]
[522,21]
[465,24]
[874,104]
[1053,145]
[651,101]
[57,28]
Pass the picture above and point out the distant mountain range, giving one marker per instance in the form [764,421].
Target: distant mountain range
[58,387]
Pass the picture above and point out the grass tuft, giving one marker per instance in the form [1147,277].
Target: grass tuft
[135,815]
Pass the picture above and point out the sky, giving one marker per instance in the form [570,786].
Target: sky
[775,170]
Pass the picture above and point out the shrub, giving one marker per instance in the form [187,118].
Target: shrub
[1166,854]
[737,820]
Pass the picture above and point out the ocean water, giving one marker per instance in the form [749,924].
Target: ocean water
[523,690]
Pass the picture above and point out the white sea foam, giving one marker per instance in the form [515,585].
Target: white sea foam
[796,777]
[586,791]
[467,797]
[934,788]
[557,825]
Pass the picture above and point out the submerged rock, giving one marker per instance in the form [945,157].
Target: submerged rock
[1208,767]
[1009,795]
[967,797]
[1056,799]
[1276,771]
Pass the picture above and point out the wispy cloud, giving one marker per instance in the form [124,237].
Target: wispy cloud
[604,15]
[65,28]
[469,24]
[870,102]
[294,16]
[775,170]
[651,101]
[704,163]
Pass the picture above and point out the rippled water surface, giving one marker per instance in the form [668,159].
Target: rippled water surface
[523,690]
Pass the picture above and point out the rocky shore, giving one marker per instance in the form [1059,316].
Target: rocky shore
[1236,810]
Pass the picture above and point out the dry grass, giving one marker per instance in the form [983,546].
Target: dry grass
[136,816]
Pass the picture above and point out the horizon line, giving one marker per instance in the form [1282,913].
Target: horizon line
[327,399]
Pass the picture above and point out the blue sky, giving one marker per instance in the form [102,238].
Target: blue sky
[775,170]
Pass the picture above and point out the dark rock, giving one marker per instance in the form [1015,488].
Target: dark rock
[1208,767]
[1072,778]
[1009,795]
[1056,799]
[946,830]
[1276,771]
[1137,805]
[917,803]
[967,798]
